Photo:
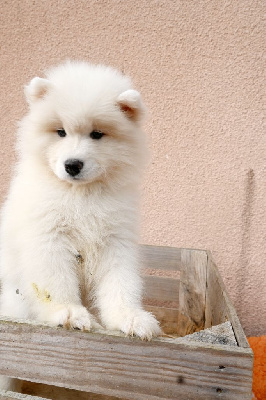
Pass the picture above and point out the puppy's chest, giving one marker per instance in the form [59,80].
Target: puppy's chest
[91,233]
[87,258]
[87,236]
[85,226]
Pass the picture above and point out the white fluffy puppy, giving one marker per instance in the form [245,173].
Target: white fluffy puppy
[69,225]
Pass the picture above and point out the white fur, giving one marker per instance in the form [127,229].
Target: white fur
[71,242]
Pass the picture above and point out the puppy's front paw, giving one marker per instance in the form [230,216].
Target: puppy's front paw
[73,316]
[141,323]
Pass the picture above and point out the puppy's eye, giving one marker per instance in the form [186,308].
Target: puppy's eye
[61,132]
[96,135]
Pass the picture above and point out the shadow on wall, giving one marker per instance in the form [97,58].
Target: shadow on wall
[245,253]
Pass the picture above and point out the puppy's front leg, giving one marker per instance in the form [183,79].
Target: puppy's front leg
[51,287]
[119,293]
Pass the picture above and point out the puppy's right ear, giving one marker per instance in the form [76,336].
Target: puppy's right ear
[37,89]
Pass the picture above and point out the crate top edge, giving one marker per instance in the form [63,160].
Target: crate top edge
[35,327]
[155,246]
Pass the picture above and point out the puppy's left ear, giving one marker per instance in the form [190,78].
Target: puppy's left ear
[37,89]
[131,104]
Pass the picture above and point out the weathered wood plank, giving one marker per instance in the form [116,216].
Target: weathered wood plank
[192,291]
[168,318]
[161,257]
[219,307]
[124,367]
[164,290]
[7,395]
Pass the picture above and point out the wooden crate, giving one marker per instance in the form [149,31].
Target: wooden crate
[186,293]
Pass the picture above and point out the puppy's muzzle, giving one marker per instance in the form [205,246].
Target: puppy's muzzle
[73,166]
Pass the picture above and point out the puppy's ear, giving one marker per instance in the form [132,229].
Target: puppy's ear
[36,89]
[131,104]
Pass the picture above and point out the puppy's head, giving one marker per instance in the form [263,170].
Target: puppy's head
[84,124]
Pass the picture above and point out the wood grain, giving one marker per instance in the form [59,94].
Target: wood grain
[124,367]
[165,290]
[161,257]
[168,318]
[219,307]
[192,291]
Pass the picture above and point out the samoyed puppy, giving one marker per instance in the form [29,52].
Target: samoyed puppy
[69,231]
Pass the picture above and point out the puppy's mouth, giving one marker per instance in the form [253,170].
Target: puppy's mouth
[78,179]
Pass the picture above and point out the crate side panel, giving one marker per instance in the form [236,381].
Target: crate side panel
[161,289]
[168,318]
[219,307]
[161,257]
[123,367]
[192,291]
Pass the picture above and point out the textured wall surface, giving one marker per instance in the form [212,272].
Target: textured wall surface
[199,66]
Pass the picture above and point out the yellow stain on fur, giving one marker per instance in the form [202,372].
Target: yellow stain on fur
[36,289]
[42,295]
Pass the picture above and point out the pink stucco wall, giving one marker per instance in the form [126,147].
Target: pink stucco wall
[199,66]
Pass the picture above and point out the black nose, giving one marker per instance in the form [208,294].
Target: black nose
[73,167]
